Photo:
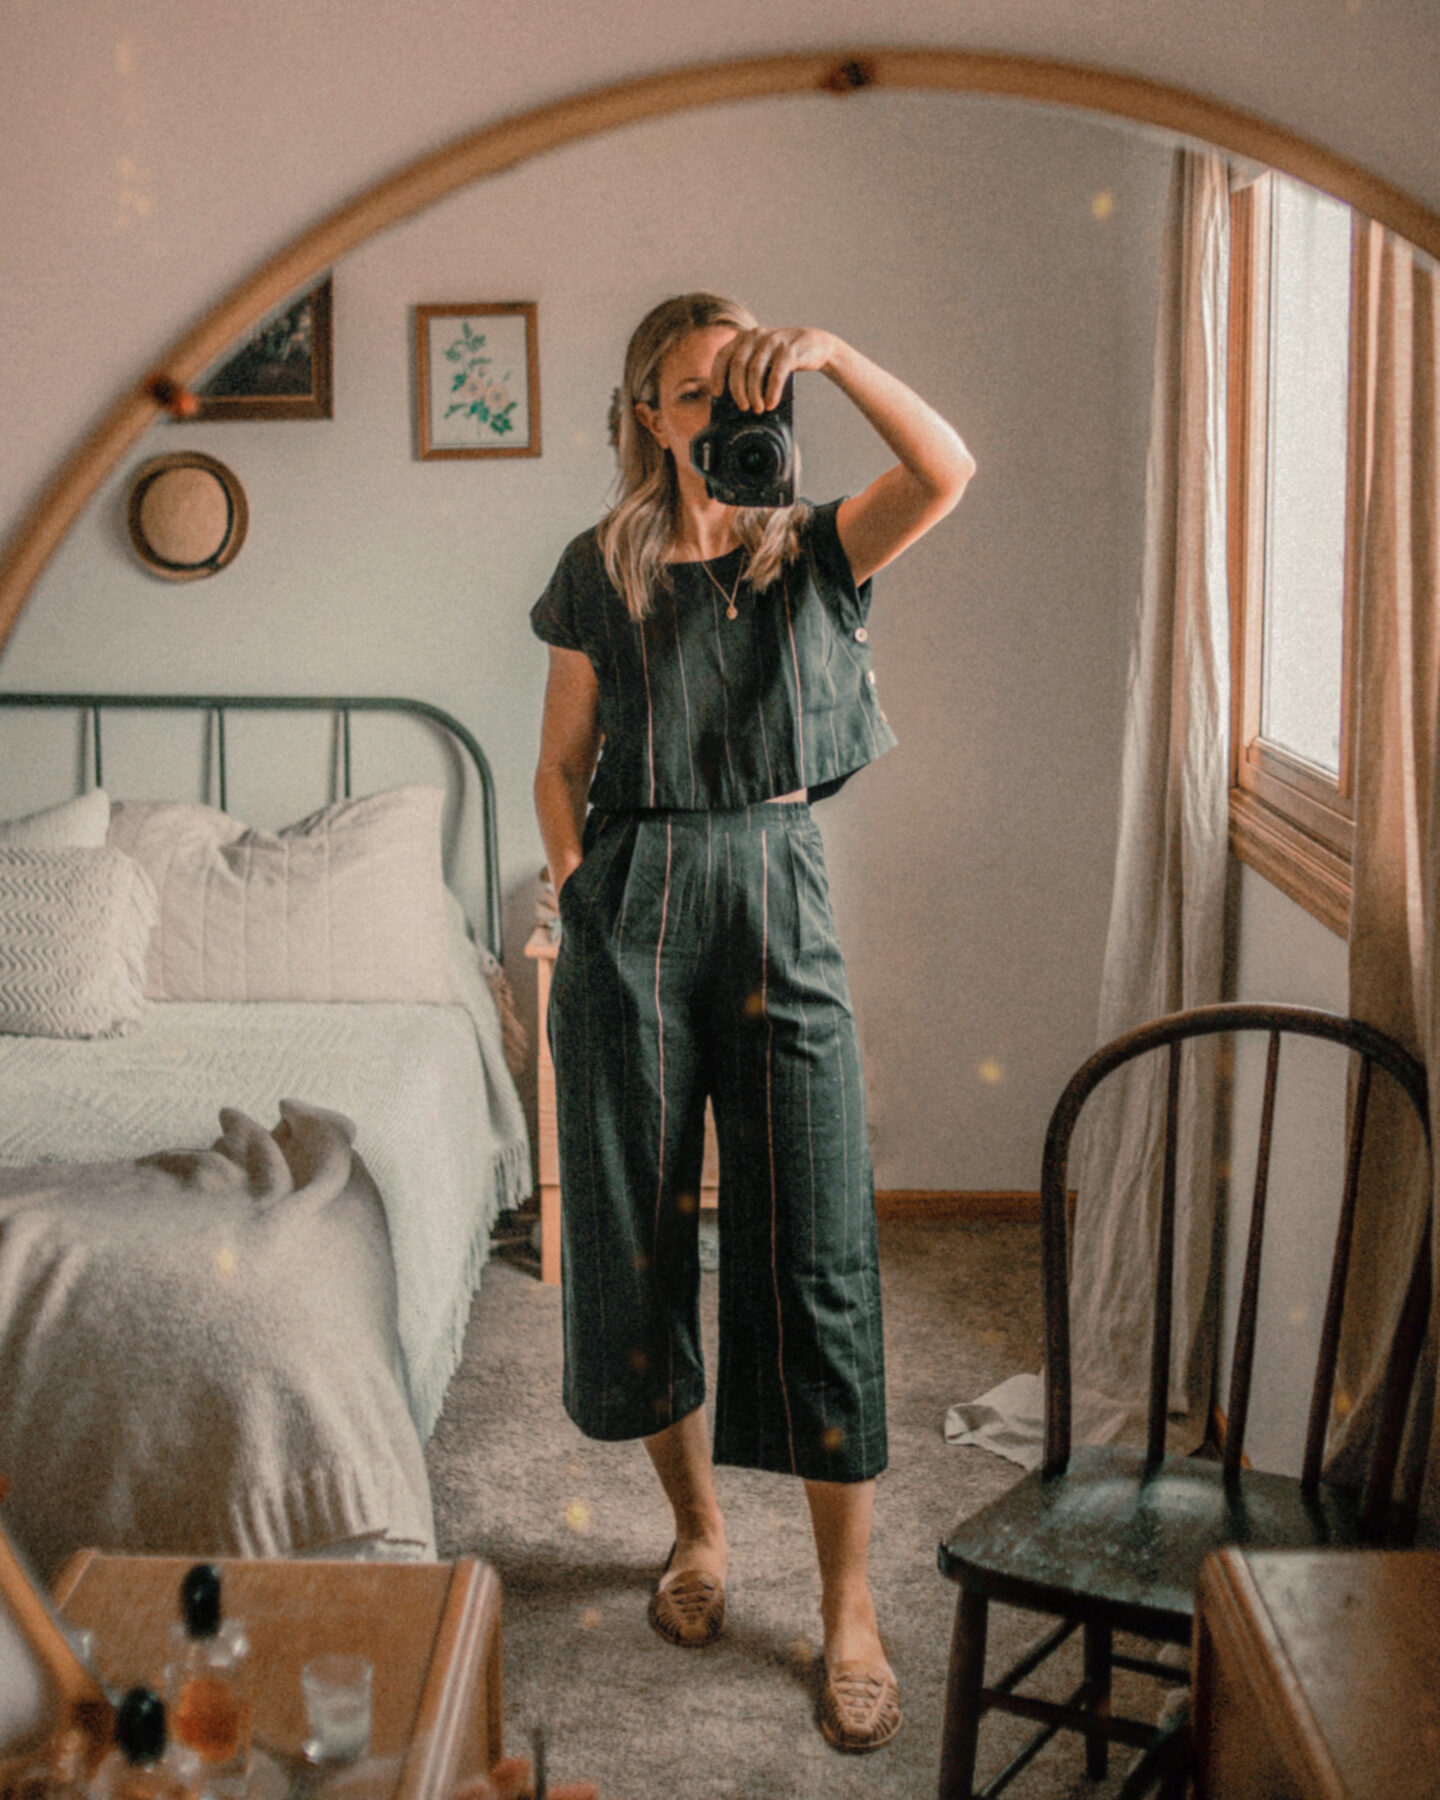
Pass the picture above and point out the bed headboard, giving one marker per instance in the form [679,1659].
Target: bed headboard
[95,706]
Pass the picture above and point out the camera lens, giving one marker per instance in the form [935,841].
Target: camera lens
[757,457]
[747,460]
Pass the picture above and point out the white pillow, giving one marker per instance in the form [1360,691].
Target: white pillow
[347,904]
[74,825]
[74,927]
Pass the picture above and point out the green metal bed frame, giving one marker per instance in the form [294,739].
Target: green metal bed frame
[217,705]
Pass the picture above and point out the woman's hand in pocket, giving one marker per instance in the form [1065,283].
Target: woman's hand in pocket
[567,878]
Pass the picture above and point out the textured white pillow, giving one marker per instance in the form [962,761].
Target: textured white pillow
[345,905]
[74,927]
[74,825]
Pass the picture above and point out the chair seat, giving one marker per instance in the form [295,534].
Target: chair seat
[1110,1540]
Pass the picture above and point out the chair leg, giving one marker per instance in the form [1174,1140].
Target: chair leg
[1097,1698]
[1176,1784]
[1165,1768]
[961,1733]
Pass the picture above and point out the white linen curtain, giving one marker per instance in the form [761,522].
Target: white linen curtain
[1165,945]
[1395,906]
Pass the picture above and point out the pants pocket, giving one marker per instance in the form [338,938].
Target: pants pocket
[815,934]
[604,844]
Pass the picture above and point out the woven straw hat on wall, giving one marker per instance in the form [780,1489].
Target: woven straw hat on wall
[188,516]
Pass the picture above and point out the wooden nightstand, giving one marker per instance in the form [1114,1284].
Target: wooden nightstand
[1315,1675]
[543,949]
[432,1631]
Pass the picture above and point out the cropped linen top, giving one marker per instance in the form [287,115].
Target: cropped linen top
[700,711]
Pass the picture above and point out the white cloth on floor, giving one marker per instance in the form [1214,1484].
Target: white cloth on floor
[1009,1420]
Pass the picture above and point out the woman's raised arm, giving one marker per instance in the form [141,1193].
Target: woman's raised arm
[934,467]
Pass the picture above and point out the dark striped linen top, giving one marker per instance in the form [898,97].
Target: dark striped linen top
[700,711]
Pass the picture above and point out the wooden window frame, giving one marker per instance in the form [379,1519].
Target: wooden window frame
[1289,820]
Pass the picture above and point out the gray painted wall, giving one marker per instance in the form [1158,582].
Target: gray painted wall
[195,141]
[1280,953]
[955,240]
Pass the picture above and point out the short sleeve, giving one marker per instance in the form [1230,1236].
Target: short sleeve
[832,566]
[557,616]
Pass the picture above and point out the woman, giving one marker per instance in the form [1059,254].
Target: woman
[720,657]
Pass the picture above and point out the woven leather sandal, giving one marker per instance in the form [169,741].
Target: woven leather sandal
[688,1607]
[860,1706]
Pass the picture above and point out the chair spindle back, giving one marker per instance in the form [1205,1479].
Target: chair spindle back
[1373,1047]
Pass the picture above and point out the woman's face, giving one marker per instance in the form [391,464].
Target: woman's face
[683,406]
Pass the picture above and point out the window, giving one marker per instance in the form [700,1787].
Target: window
[1296,379]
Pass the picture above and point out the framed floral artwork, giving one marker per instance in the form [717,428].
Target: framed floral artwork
[282,371]
[477,380]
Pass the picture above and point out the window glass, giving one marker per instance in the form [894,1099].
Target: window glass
[1309,360]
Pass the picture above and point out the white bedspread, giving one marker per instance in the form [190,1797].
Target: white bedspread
[198,1351]
[438,1124]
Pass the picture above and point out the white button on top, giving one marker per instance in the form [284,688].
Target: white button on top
[862,636]
[870,676]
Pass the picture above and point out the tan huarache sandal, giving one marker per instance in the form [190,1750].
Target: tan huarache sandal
[688,1606]
[860,1707]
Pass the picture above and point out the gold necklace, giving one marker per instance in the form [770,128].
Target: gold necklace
[731,610]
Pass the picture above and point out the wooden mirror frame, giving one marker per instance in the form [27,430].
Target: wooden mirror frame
[512,141]
[73,1714]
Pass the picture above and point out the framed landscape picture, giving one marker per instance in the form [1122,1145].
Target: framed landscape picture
[283,370]
[477,380]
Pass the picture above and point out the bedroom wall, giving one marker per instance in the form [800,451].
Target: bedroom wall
[1279,953]
[998,284]
[151,154]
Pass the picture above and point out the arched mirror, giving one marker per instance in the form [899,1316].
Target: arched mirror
[1027,237]
[999,251]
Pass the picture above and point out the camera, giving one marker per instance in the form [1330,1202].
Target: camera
[748,458]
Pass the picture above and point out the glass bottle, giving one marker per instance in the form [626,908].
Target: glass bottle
[141,1766]
[57,1771]
[206,1683]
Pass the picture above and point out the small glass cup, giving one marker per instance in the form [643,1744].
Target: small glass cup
[337,1707]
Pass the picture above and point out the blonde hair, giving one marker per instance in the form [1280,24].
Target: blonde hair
[638,533]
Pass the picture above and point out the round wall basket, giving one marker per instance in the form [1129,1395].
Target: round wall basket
[188,515]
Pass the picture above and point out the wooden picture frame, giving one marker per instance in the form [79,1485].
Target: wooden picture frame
[282,371]
[477,380]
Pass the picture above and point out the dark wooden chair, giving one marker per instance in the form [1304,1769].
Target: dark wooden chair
[1107,1538]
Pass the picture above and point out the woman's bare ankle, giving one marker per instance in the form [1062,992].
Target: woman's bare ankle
[701,1548]
[852,1631]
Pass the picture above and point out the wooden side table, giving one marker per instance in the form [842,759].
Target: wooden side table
[1315,1674]
[543,949]
[431,1630]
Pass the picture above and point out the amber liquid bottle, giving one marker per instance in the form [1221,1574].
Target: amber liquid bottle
[207,1687]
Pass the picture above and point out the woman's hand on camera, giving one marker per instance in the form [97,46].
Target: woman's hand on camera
[755,365]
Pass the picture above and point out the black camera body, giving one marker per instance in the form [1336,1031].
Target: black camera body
[748,458]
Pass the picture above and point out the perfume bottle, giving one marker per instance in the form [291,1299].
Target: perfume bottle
[206,1684]
[142,1765]
[57,1771]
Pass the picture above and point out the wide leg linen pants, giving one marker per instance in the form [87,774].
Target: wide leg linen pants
[699,956]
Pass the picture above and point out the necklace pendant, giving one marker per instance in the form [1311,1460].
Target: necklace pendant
[732,611]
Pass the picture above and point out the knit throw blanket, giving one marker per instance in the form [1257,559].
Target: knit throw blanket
[198,1351]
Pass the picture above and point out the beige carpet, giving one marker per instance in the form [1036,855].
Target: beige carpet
[578,1530]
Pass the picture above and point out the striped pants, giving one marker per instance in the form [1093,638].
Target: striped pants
[699,957]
